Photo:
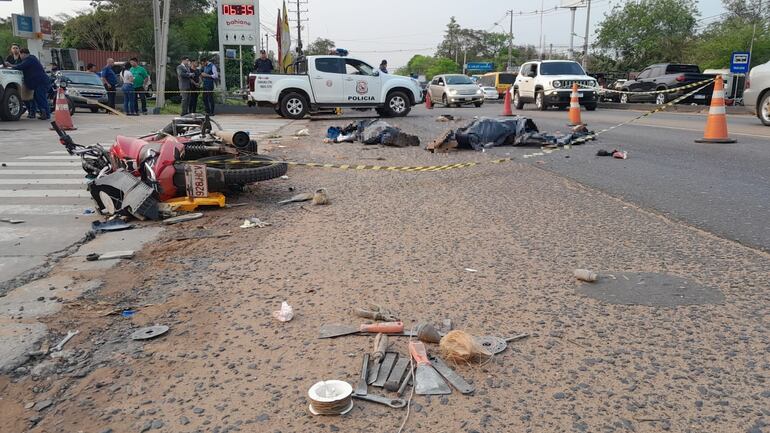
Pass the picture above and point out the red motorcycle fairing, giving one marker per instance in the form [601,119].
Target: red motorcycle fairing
[130,153]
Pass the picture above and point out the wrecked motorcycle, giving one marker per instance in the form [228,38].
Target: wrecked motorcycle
[134,174]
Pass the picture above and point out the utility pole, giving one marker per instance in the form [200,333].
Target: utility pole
[300,20]
[585,43]
[160,30]
[550,52]
[542,39]
[510,43]
[572,34]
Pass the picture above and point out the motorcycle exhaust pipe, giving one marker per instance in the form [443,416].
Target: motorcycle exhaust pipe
[239,139]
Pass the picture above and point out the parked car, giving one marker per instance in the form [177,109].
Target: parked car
[455,89]
[608,95]
[490,93]
[666,76]
[326,82]
[10,94]
[502,81]
[549,82]
[756,97]
[83,88]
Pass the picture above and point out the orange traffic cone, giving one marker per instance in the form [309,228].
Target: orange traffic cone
[507,105]
[428,101]
[62,112]
[716,124]
[574,107]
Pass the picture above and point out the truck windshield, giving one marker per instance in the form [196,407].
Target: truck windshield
[458,79]
[83,78]
[678,69]
[561,68]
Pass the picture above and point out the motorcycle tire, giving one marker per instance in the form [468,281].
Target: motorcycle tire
[226,171]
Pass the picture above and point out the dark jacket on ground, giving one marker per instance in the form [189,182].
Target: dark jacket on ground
[34,73]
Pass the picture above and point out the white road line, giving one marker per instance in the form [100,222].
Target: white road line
[42,164]
[41,193]
[701,130]
[53,158]
[58,152]
[52,209]
[42,181]
[4,172]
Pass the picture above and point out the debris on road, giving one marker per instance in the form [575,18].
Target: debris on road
[320,197]
[305,132]
[451,376]
[371,131]
[446,118]
[361,385]
[254,222]
[460,347]
[618,154]
[113,255]
[110,226]
[427,381]
[585,275]
[305,196]
[149,332]
[336,330]
[380,347]
[330,397]
[182,218]
[495,345]
[376,312]
[11,221]
[64,340]
[285,314]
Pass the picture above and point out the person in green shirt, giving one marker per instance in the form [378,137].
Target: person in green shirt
[141,83]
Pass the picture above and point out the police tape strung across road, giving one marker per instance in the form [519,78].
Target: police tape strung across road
[433,168]
[653,92]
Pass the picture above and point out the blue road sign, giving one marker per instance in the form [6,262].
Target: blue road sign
[480,66]
[739,62]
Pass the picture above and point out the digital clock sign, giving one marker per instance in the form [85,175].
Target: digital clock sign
[238,9]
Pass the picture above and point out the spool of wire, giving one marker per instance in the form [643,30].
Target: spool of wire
[330,397]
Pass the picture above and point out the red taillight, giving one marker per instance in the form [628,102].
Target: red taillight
[680,78]
[252,79]
[748,83]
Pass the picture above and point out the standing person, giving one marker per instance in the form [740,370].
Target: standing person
[263,65]
[184,74]
[27,96]
[210,76]
[129,102]
[195,86]
[35,79]
[92,68]
[141,80]
[110,81]
[384,66]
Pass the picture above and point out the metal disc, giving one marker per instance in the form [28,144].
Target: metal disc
[149,332]
[492,344]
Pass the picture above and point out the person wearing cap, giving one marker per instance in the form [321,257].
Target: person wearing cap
[35,79]
[263,65]
[384,66]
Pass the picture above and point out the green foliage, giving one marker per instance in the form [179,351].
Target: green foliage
[640,33]
[6,36]
[442,65]
[472,45]
[429,66]
[232,71]
[320,46]
[90,31]
[719,40]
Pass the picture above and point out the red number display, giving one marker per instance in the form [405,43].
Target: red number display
[237,9]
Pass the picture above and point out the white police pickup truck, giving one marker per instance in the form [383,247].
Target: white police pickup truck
[327,82]
[10,94]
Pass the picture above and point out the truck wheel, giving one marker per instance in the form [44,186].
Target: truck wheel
[11,105]
[517,103]
[540,100]
[397,104]
[590,107]
[478,104]
[294,106]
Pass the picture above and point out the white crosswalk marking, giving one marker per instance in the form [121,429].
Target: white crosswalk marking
[53,158]
[39,193]
[40,172]
[46,181]
[72,163]
[51,209]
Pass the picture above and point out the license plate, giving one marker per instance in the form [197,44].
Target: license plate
[196,180]
[700,96]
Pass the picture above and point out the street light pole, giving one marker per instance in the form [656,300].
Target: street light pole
[585,43]
[572,35]
[510,43]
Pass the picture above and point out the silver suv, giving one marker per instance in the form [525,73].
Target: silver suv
[756,97]
[10,94]
[549,82]
[455,89]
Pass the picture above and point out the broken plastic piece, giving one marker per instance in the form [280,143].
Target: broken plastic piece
[586,275]
[285,314]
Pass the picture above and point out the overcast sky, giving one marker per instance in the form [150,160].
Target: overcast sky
[398,29]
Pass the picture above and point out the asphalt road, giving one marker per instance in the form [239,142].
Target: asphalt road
[721,188]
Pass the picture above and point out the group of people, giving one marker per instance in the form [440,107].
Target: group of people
[36,81]
[196,76]
[136,81]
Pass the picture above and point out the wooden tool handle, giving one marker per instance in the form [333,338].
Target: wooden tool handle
[385,327]
[418,352]
[380,346]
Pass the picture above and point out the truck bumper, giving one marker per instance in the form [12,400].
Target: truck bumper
[562,97]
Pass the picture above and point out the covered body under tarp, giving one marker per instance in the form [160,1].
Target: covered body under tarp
[485,132]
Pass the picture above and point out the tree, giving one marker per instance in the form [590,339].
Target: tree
[6,35]
[639,33]
[442,65]
[320,46]
[91,31]
[450,46]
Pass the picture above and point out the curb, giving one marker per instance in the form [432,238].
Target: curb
[674,108]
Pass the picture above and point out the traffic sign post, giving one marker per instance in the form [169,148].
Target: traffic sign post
[739,62]
[480,66]
[238,25]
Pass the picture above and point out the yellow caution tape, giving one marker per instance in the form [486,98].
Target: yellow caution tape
[654,92]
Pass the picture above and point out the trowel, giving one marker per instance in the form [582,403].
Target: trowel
[427,381]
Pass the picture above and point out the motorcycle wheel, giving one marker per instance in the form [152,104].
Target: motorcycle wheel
[227,171]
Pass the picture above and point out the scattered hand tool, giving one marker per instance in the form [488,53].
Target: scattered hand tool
[334,330]
[387,365]
[380,347]
[407,381]
[396,403]
[451,376]
[361,385]
[376,312]
[64,340]
[495,345]
[426,380]
[397,374]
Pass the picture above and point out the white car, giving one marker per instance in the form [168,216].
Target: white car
[455,89]
[324,82]
[549,82]
[756,97]
[10,94]
[490,93]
